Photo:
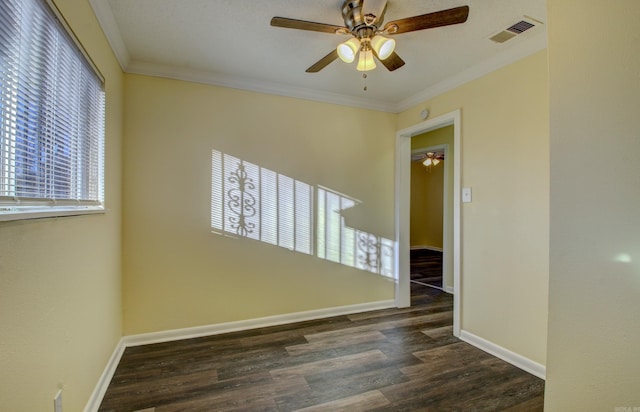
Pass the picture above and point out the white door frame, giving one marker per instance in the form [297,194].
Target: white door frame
[403,208]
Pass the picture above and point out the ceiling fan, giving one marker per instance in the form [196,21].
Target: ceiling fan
[364,19]
[429,158]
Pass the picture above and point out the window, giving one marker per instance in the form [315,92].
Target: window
[51,117]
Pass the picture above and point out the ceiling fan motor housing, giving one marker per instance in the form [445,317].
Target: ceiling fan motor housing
[352,14]
[356,21]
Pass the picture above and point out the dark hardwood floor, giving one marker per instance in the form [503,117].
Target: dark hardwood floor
[388,360]
[426,267]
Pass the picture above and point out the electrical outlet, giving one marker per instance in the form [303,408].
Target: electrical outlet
[57,402]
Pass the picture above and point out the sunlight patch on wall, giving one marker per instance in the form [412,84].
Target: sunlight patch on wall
[250,201]
[622,258]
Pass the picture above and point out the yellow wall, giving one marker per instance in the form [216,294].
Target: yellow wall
[427,187]
[441,136]
[505,235]
[60,304]
[60,284]
[594,288]
[177,273]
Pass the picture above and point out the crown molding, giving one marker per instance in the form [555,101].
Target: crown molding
[253,85]
[110,28]
[526,48]
[104,14]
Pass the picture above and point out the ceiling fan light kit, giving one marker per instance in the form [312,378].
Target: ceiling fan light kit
[365,61]
[383,46]
[429,159]
[363,19]
[431,162]
[347,51]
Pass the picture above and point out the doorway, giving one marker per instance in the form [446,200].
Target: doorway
[402,208]
[430,224]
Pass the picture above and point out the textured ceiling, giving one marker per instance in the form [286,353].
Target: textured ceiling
[231,43]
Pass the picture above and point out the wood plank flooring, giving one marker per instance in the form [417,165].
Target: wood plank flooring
[426,267]
[388,360]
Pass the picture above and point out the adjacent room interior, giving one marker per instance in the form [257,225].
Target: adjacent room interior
[547,256]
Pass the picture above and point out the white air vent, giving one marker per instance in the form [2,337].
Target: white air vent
[515,29]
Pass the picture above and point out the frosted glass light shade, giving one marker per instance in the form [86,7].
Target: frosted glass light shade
[347,51]
[383,46]
[365,61]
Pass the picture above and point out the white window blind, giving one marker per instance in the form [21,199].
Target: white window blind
[52,105]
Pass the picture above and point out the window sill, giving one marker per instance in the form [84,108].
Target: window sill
[41,213]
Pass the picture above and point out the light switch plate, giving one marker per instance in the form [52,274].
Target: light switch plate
[466,195]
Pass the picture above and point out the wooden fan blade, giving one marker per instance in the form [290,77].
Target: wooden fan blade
[428,21]
[376,8]
[307,25]
[324,62]
[392,62]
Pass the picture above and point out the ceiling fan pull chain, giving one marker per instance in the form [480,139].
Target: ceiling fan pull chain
[364,77]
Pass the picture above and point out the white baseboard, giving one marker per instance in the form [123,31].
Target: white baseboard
[437,249]
[216,329]
[513,358]
[199,331]
[103,383]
